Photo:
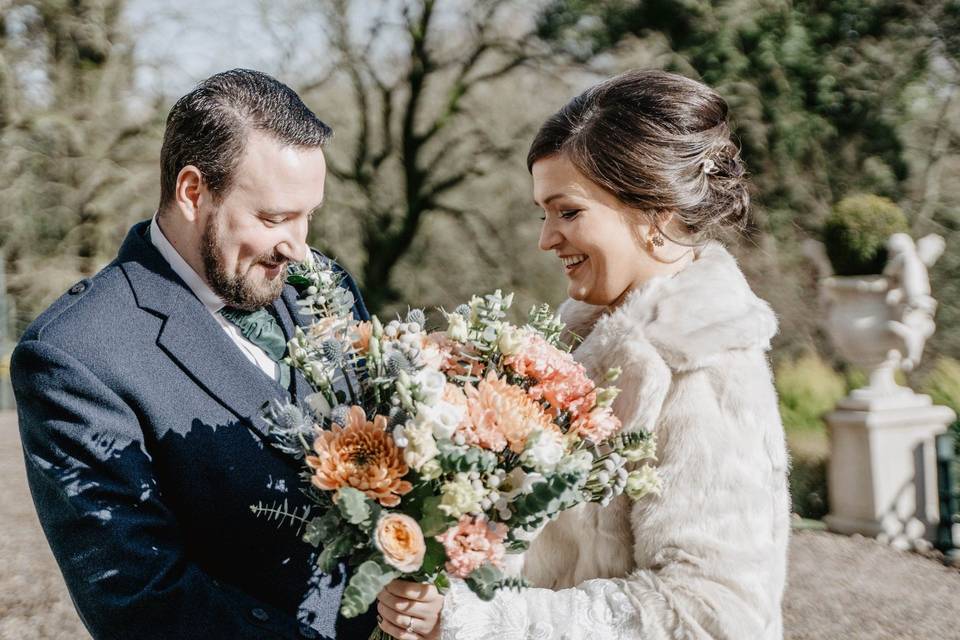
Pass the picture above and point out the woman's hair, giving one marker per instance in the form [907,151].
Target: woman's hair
[657,141]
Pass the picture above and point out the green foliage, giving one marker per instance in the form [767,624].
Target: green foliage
[805,79]
[322,530]
[486,580]
[808,388]
[942,384]
[547,498]
[356,508]
[856,233]
[434,557]
[282,515]
[367,581]
[808,487]
[336,550]
[453,459]
[434,521]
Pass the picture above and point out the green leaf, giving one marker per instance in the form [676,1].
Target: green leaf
[320,531]
[434,521]
[366,583]
[298,280]
[484,581]
[434,557]
[355,507]
[442,582]
[338,549]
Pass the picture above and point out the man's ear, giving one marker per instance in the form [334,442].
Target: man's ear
[189,190]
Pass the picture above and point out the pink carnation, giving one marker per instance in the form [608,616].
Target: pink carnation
[597,426]
[559,379]
[471,542]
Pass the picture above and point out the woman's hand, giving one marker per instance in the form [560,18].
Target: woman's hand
[410,611]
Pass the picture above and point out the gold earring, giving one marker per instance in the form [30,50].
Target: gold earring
[656,240]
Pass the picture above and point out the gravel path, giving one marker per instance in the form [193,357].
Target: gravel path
[840,588]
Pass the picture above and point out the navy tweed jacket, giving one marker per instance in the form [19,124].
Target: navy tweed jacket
[144,446]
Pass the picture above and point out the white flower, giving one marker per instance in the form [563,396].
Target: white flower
[544,450]
[421,447]
[318,405]
[647,449]
[642,482]
[457,327]
[579,462]
[431,384]
[460,496]
[520,482]
[511,339]
[431,470]
[442,419]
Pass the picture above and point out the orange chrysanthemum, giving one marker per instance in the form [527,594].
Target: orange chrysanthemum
[501,415]
[362,455]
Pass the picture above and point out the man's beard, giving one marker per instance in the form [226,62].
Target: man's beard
[235,290]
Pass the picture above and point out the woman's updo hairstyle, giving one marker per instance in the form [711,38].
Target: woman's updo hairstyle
[657,141]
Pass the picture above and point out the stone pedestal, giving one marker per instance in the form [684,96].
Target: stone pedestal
[882,479]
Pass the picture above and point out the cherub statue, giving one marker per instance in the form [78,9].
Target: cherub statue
[909,292]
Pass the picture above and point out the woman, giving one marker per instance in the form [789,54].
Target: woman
[632,175]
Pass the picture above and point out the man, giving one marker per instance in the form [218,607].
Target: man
[139,391]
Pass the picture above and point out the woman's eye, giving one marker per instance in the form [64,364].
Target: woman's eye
[569,214]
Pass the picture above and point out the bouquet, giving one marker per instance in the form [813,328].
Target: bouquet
[432,454]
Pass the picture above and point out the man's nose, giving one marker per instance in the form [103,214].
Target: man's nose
[293,247]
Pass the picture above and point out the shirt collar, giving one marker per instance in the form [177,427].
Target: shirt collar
[198,285]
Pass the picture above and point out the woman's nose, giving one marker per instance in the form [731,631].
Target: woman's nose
[549,236]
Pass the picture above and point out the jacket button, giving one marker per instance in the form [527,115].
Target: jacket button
[260,614]
[308,632]
[80,287]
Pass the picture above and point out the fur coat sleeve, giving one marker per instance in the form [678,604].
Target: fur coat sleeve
[707,557]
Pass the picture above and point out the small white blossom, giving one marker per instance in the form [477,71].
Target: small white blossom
[544,450]
[431,384]
[642,482]
[457,327]
[318,404]
[510,340]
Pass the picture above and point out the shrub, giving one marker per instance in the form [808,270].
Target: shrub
[856,233]
[808,388]
[943,386]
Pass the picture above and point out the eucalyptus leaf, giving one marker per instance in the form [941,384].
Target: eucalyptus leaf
[366,583]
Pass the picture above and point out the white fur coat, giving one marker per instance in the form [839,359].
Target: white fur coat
[707,558]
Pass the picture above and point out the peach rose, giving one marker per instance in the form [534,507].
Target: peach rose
[400,539]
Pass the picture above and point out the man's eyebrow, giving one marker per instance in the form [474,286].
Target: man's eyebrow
[280,212]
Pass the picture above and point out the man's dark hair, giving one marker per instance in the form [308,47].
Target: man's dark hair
[208,127]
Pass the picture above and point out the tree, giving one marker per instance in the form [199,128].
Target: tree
[416,138]
[823,98]
[76,157]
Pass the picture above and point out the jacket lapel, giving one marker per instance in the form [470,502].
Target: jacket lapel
[192,338]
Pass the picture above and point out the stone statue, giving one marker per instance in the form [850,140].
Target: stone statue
[909,293]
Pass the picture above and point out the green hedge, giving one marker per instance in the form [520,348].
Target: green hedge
[856,234]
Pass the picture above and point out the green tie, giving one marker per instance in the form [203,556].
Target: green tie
[262,329]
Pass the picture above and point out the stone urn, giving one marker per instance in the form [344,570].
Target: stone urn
[882,477]
[858,322]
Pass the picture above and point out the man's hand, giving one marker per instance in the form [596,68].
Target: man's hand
[410,611]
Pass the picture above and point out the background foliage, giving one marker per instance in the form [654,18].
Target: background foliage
[434,103]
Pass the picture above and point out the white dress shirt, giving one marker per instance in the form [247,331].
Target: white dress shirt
[211,301]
